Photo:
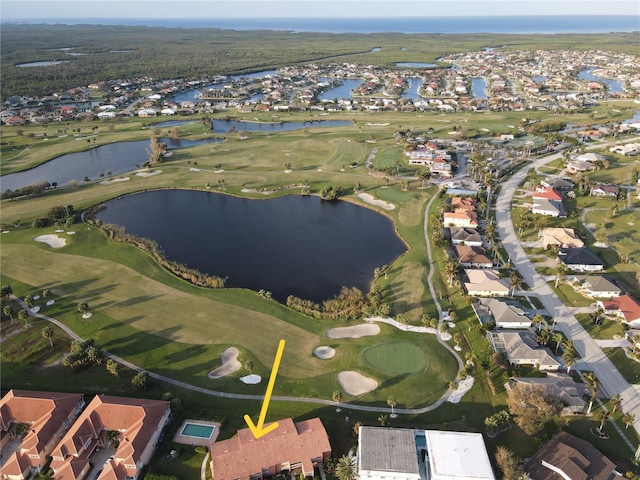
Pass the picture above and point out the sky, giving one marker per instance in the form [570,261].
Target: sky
[52,9]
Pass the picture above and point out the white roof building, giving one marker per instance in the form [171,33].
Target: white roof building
[457,456]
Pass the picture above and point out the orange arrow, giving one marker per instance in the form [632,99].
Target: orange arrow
[259,430]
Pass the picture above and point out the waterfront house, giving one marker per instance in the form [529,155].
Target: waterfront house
[521,348]
[472,257]
[564,237]
[580,259]
[625,307]
[45,416]
[576,166]
[569,457]
[138,423]
[292,447]
[485,283]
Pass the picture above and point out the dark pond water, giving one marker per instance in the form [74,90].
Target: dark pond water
[339,91]
[223,126]
[479,87]
[117,157]
[292,245]
[614,85]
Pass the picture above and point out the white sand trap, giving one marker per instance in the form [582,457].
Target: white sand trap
[35,309]
[378,203]
[252,379]
[357,331]
[463,387]
[229,363]
[71,233]
[148,174]
[288,171]
[36,297]
[6,231]
[324,352]
[218,171]
[54,241]
[457,348]
[114,180]
[87,315]
[50,302]
[354,383]
[194,169]
[446,336]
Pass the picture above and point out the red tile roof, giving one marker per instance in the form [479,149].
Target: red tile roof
[548,193]
[242,456]
[628,307]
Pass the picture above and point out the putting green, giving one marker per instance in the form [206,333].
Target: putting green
[397,357]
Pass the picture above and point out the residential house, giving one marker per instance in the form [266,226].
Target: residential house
[464,220]
[292,447]
[387,452]
[559,184]
[47,416]
[472,257]
[147,112]
[596,286]
[560,386]
[564,237]
[15,121]
[441,168]
[630,149]
[546,192]
[466,236]
[576,166]
[605,190]
[521,348]
[553,208]
[463,204]
[407,454]
[139,424]
[625,306]
[485,283]
[590,157]
[580,259]
[505,314]
[569,457]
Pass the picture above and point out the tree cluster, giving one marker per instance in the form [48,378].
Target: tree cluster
[30,190]
[83,353]
[330,192]
[531,407]
[347,305]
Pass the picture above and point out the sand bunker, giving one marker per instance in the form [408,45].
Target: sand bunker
[54,241]
[378,203]
[114,180]
[148,174]
[252,379]
[463,387]
[325,353]
[357,331]
[229,363]
[354,383]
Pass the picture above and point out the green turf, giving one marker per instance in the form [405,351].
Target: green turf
[399,357]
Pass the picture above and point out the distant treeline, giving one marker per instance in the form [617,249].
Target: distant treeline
[123,52]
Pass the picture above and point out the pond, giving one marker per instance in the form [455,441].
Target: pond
[479,87]
[292,245]
[193,95]
[614,86]
[341,90]
[116,157]
[414,86]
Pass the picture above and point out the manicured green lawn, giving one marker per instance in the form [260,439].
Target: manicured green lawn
[630,369]
[607,330]
[400,357]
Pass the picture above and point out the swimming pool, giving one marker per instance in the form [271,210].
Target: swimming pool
[197,430]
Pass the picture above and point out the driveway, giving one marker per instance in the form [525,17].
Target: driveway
[592,356]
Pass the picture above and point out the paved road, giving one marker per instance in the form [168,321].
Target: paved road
[592,356]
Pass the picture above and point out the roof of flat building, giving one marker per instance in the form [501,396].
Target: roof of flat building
[387,450]
[458,455]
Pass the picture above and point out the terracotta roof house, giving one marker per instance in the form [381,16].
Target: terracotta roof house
[505,313]
[625,306]
[521,348]
[294,447]
[560,386]
[566,456]
[463,204]
[468,236]
[548,193]
[441,167]
[486,283]
[596,286]
[565,237]
[605,190]
[552,208]
[47,414]
[387,452]
[15,121]
[580,259]
[472,257]
[139,424]
[464,220]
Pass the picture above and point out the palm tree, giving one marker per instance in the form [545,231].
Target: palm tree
[593,385]
[391,401]
[451,267]
[602,416]
[47,332]
[561,272]
[337,397]
[6,291]
[628,419]
[514,282]
[23,317]
[616,402]
[570,355]
[346,468]
[558,337]
[384,420]
[46,294]
[538,320]
[544,336]
[83,307]
[248,366]
[29,301]
[8,311]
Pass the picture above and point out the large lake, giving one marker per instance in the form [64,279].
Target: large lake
[293,245]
